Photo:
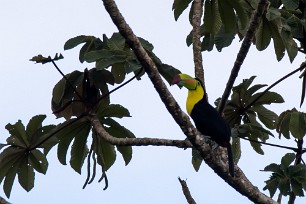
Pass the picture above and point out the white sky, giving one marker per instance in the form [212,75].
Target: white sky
[36,27]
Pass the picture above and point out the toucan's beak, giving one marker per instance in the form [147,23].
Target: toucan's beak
[177,79]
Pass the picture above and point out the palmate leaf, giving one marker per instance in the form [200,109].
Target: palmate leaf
[19,161]
[285,177]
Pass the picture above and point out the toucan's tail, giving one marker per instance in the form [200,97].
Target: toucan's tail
[230,159]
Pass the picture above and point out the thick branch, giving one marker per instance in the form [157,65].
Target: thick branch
[212,158]
[135,141]
[196,42]
[244,49]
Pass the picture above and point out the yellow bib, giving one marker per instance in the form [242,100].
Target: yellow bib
[194,96]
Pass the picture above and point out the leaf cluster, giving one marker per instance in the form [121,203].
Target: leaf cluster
[21,156]
[114,53]
[247,115]
[286,178]
[291,122]
[224,19]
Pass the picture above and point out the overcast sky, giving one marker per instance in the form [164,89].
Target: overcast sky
[36,27]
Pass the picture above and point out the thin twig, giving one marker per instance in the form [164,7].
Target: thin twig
[303,65]
[55,132]
[125,83]
[244,49]
[186,191]
[67,80]
[270,144]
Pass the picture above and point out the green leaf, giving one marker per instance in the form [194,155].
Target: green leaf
[126,153]
[283,124]
[179,6]
[116,42]
[224,39]
[291,4]
[118,71]
[227,14]
[26,175]
[38,161]
[287,160]
[79,148]
[297,188]
[271,185]
[18,134]
[279,46]
[266,116]
[273,14]
[297,125]
[114,110]
[263,35]
[65,136]
[284,187]
[272,167]
[107,57]
[196,159]
[8,158]
[290,44]
[146,44]
[212,19]
[131,66]
[105,152]
[267,98]
[241,12]
[10,177]
[73,42]
[34,124]
[236,146]
[207,42]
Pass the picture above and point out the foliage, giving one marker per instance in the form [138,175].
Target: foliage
[224,19]
[80,94]
[246,113]
[292,121]
[286,178]
[21,155]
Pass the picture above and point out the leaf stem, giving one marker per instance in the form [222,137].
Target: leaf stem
[67,80]
[303,65]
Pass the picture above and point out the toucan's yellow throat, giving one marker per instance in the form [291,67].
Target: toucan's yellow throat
[195,89]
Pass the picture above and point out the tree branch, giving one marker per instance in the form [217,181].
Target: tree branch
[135,141]
[212,158]
[186,191]
[196,42]
[244,49]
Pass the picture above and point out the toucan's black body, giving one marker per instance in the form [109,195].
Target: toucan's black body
[209,122]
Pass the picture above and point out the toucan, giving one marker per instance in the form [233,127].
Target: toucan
[206,118]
